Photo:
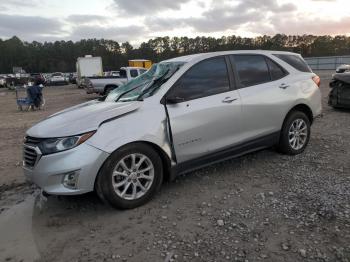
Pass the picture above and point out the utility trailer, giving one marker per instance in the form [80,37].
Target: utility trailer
[88,66]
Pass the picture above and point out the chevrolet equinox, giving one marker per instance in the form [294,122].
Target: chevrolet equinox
[182,114]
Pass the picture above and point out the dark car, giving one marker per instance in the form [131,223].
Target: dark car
[339,97]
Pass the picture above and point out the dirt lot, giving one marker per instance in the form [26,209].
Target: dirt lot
[263,206]
[14,123]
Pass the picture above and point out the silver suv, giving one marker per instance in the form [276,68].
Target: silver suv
[180,115]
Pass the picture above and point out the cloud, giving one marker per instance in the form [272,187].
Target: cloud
[141,7]
[125,33]
[300,24]
[223,15]
[166,17]
[85,19]
[7,4]
[28,27]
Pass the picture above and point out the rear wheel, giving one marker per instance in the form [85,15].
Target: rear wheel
[295,133]
[130,177]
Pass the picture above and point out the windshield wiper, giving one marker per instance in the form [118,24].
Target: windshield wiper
[161,80]
[128,91]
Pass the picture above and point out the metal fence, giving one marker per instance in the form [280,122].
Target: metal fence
[327,62]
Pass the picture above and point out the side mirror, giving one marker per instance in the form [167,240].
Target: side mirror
[174,100]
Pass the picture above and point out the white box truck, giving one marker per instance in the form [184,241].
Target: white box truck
[88,66]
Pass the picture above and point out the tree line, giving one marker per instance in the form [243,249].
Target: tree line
[61,56]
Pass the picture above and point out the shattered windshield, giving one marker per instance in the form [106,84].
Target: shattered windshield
[146,84]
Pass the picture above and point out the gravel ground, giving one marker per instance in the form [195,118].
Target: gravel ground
[262,206]
[14,123]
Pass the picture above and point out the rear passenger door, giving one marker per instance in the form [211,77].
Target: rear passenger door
[263,87]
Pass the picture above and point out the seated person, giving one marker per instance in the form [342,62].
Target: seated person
[35,94]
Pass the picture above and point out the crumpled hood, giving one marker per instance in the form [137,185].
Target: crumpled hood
[81,118]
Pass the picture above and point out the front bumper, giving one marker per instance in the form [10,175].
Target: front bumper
[49,171]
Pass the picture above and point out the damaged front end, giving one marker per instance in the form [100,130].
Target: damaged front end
[339,97]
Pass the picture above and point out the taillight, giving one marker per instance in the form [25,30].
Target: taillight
[317,80]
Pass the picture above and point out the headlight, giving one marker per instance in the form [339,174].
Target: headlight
[54,145]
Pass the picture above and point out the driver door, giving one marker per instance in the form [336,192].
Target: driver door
[207,116]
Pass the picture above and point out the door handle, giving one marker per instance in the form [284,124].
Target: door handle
[229,100]
[284,86]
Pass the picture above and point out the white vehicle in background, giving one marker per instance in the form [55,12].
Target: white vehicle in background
[58,79]
[3,82]
[88,66]
[104,85]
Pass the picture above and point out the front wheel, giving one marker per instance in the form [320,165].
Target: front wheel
[130,177]
[295,134]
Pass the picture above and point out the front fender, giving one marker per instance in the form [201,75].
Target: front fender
[145,124]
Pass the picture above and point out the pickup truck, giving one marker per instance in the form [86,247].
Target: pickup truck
[104,85]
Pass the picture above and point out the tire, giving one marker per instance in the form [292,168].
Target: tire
[127,180]
[292,130]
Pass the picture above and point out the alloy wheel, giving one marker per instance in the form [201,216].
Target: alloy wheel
[297,134]
[133,176]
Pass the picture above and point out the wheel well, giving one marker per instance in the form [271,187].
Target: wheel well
[305,109]
[165,160]
[163,156]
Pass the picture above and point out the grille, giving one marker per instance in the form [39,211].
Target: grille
[30,156]
[32,140]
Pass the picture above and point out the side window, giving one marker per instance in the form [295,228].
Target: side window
[133,73]
[122,73]
[142,71]
[276,71]
[206,78]
[252,69]
[295,61]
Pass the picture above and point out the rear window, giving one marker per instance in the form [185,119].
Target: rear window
[276,71]
[295,61]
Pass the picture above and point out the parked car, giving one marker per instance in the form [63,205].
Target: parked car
[182,114]
[58,79]
[339,97]
[343,69]
[104,85]
[3,82]
[18,80]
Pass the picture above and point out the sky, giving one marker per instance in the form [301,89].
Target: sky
[139,20]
